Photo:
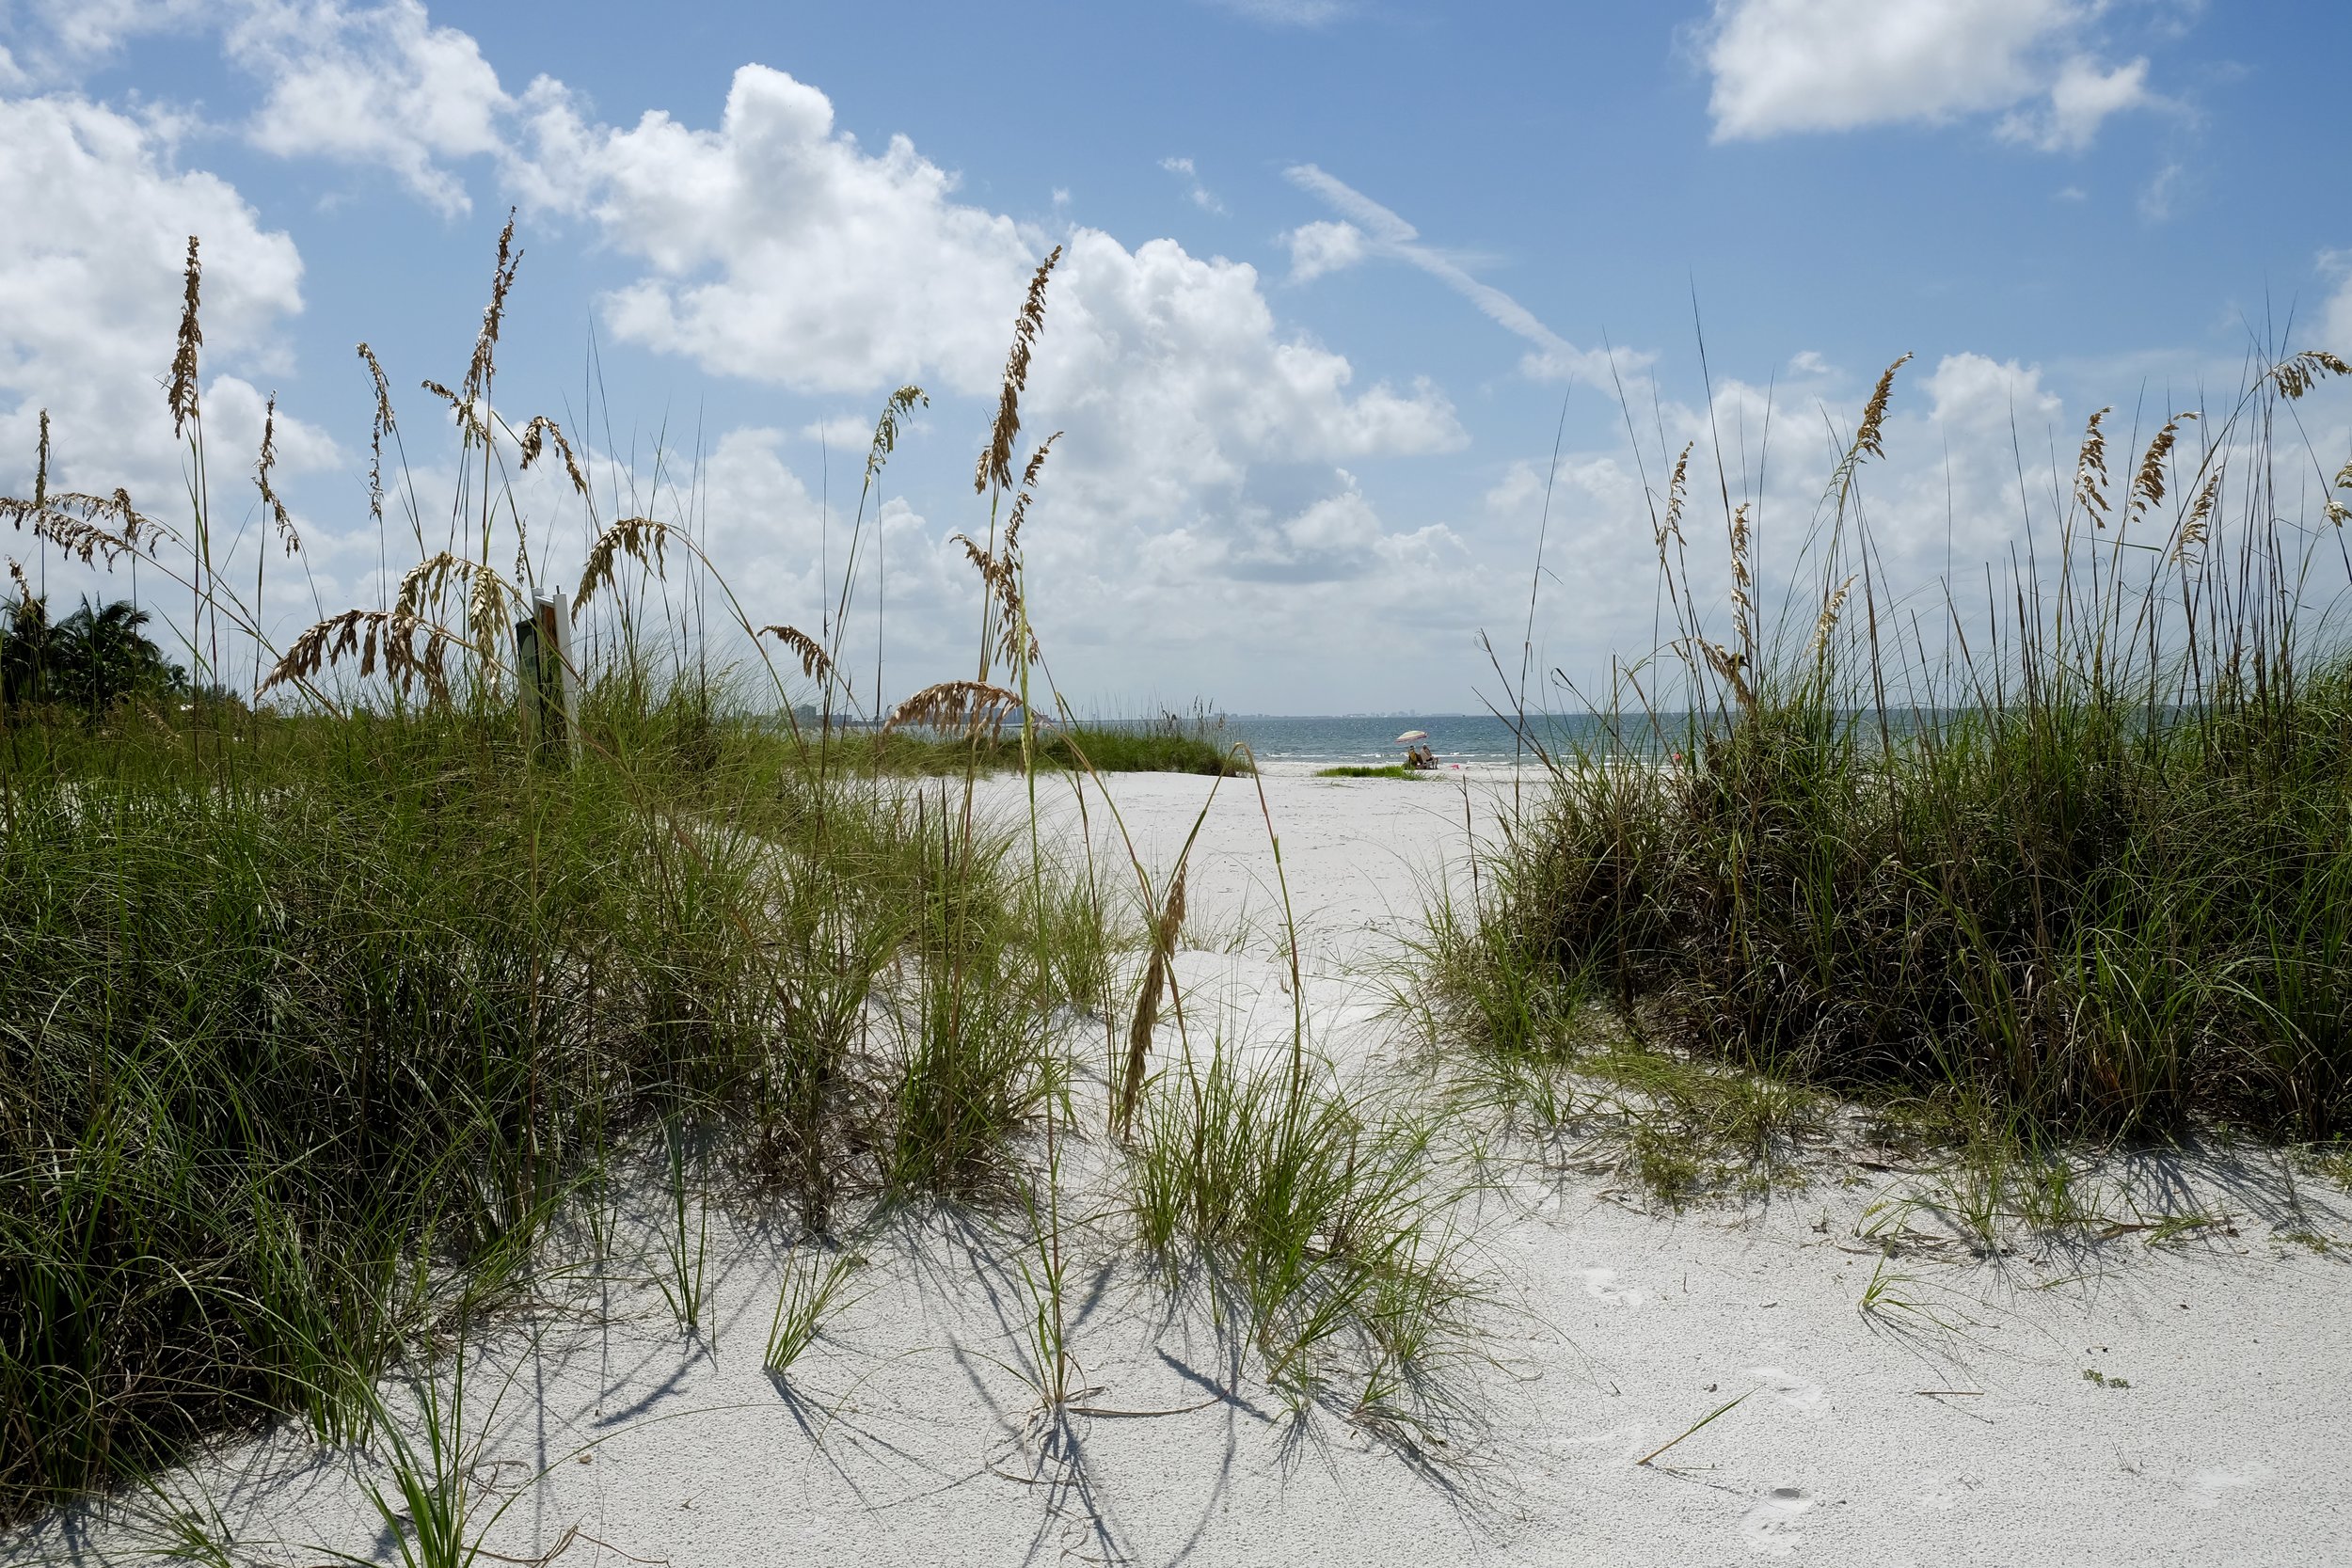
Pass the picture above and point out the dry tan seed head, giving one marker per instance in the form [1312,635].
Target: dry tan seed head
[895,409]
[966,705]
[467,410]
[1874,413]
[642,539]
[77,524]
[1827,620]
[1157,977]
[1675,491]
[40,471]
[484,365]
[995,465]
[2091,469]
[381,426]
[486,596]
[1028,486]
[540,429]
[284,524]
[2192,534]
[2148,484]
[2300,374]
[182,394]
[389,635]
[815,662]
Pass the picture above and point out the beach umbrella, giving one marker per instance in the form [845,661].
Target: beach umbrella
[1412,735]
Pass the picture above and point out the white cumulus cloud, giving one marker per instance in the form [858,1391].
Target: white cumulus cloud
[90,298]
[1784,66]
[1322,246]
[779,249]
[379,86]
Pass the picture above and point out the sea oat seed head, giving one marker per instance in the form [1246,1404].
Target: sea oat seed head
[895,408]
[2193,526]
[966,705]
[1827,621]
[1028,486]
[1671,527]
[183,393]
[2300,374]
[536,433]
[2148,484]
[1874,413]
[284,524]
[2091,469]
[995,465]
[642,539]
[815,662]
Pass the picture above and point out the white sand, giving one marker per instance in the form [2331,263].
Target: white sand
[1962,1430]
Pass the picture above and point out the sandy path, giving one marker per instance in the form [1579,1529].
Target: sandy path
[1962,1430]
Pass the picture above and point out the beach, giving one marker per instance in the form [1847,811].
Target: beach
[2132,1397]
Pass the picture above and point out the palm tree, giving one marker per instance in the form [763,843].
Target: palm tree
[29,652]
[92,659]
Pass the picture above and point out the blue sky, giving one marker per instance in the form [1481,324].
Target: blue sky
[1330,270]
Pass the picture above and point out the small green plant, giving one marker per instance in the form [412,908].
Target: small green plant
[431,1509]
[1053,1369]
[1358,770]
[1892,1298]
[1322,1213]
[803,1303]
[2093,1375]
[685,1238]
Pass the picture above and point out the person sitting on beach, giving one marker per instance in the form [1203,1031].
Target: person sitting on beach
[1420,758]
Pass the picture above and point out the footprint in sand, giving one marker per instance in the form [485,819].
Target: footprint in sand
[1793,1391]
[1770,1523]
[2212,1488]
[1601,1285]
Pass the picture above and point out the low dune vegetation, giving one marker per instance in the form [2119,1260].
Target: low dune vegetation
[2068,863]
[1366,771]
[337,990]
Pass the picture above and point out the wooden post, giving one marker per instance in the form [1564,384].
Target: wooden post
[549,694]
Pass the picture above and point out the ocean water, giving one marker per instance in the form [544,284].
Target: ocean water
[1472,739]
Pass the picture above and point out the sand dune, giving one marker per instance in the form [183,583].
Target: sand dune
[1959,1423]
